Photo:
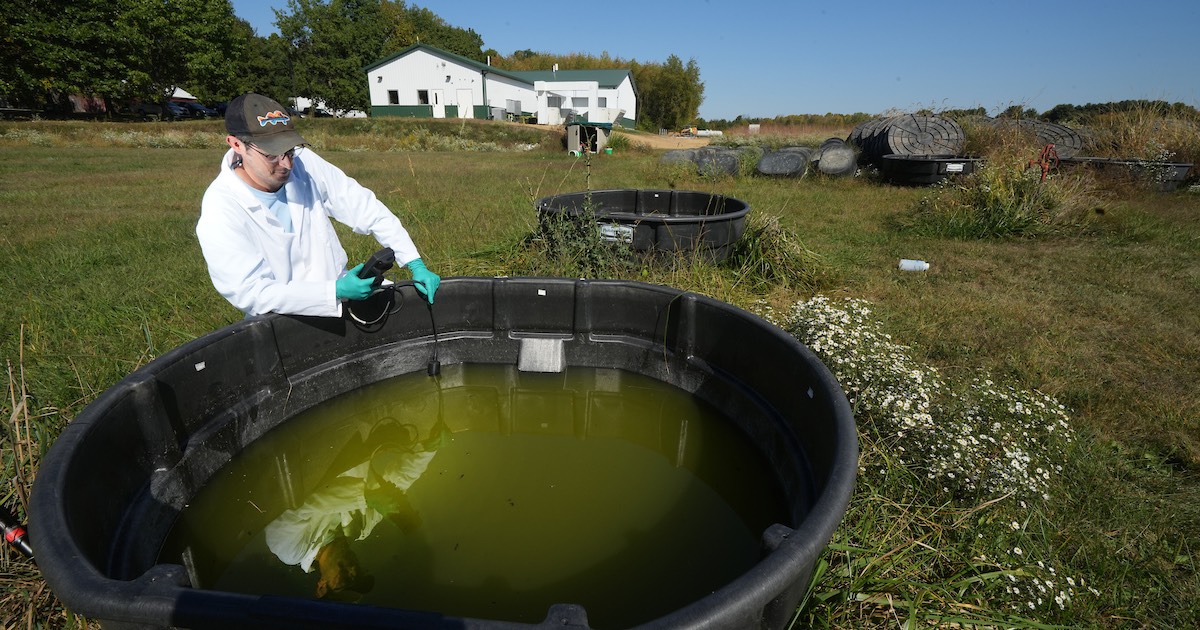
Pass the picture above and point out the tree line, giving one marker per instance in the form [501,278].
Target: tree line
[126,50]
[1066,114]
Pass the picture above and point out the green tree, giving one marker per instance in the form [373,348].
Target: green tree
[408,25]
[14,40]
[330,43]
[1017,112]
[115,48]
[264,67]
[532,60]
[182,44]
[56,48]
[1061,114]
[670,95]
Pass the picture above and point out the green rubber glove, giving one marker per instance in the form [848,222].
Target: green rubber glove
[427,282]
[351,287]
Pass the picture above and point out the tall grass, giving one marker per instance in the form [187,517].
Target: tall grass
[101,273]
[1002,200]
[347,134]
[1143,134]
[1009,195]
[774,136]
[1017,193]
[769,255]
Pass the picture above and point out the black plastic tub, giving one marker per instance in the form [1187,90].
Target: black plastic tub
[657,220]
[1162,176]
[925,170]
[115,480]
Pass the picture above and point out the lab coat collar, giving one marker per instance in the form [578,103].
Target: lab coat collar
[234,183]
[248,200]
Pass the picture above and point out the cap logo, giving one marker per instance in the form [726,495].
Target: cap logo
[273,118]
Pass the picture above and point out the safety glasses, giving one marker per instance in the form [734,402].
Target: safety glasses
[275,159]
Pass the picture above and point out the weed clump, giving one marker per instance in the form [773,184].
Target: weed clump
[623,143]
[769,255]
[571,247]
[1008,196]
[28,136]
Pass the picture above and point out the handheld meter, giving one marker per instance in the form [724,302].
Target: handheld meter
[378,263]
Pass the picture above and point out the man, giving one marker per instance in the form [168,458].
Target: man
[264,222]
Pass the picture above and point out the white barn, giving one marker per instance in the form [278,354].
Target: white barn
[426,82]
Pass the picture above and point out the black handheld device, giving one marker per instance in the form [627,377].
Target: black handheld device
[378,263]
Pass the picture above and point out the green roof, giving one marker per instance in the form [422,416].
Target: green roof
[584,123]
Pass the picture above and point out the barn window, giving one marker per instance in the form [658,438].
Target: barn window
[601,101]
[579,101]
[422,97]
[393,97]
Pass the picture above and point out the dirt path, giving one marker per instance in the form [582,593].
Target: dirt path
[667,142]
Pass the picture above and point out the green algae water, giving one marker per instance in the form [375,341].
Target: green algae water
[490,493]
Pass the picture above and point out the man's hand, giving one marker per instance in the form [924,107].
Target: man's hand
[351,287]
[427,282]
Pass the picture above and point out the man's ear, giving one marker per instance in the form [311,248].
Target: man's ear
[322,588]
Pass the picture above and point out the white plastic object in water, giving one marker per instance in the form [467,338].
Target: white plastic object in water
[913,265]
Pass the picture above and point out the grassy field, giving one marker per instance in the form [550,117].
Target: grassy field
[101,272]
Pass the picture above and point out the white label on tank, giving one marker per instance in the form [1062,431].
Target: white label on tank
[200,366]
[541,292]
[616,233]
[954,168]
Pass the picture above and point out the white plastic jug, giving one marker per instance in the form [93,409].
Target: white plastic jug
[913,265]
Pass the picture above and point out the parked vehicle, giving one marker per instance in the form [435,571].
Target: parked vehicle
[146,110]
[174,111]
[199,110]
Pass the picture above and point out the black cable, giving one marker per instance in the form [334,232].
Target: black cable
[395,303]
[435,367]
[390,307]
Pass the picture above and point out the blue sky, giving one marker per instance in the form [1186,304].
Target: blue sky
[764,58]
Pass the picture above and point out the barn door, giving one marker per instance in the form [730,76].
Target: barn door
[466,107]
[438,101]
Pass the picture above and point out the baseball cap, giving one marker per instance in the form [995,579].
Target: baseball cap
[267,123]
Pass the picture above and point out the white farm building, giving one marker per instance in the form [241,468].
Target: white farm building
[426,82]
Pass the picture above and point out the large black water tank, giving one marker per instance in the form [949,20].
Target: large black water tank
[685,221]
[925,170]
[113,483]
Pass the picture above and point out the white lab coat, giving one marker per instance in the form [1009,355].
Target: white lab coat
[260,268]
